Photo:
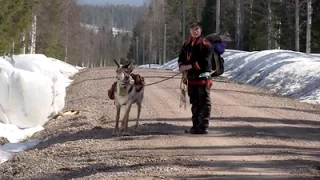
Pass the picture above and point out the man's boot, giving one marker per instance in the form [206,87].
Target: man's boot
[202,130]
[194,128]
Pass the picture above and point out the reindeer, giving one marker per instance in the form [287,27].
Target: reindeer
[128,90]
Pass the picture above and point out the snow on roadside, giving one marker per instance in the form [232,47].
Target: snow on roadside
[289,73]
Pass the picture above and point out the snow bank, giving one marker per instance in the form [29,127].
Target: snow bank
[25,98]
[57,71]
[32,88]
[33,82]
[289,73]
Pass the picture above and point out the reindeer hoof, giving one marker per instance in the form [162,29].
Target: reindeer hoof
[115,131]
[126,133]
[123,132]
[136,127]
[120,131]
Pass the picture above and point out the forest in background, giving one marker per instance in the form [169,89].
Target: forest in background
[77,34]
[82,34]
[254,25]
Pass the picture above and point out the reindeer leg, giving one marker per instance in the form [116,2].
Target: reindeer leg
[118,107]
[126,118]
[138,114]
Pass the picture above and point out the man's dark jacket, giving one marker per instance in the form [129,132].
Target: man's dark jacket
[198,53]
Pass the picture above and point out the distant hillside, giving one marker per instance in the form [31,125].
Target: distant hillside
[110,15]
[102,2]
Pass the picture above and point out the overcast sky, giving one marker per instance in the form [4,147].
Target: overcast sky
[131,2]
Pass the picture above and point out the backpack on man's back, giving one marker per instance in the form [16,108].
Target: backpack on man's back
[217,61]
[217,65]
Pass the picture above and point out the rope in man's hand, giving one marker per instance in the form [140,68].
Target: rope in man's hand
[184,89]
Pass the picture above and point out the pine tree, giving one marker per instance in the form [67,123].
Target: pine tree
[208,18]
[15,17]
[50,39]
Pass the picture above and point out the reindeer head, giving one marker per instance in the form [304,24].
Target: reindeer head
[123,73]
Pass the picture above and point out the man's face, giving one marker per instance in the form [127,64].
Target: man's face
[195,31]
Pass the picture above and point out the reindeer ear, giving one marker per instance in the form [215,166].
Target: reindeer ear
[116,63]
[128,64]
[131,68]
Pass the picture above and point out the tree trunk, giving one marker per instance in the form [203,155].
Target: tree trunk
[297,23]
[33,35]
[217,16]
[137,50]
[143,44]
[198,12]
[183,20]
[164,44]
[278,35]
[150,49]
[239,24]
[269,25]
[66,33]
[309,23]
[251,26]
[23,50]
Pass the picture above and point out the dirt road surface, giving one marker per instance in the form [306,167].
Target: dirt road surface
[254,134]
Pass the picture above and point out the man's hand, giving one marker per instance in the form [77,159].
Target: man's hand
[184,68]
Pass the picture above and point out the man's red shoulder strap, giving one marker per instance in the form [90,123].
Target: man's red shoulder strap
[205,43]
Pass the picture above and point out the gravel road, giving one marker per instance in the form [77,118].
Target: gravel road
[254,134]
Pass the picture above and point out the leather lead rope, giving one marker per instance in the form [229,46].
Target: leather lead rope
[168,78]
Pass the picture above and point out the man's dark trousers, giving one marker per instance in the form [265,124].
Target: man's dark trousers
[200,105]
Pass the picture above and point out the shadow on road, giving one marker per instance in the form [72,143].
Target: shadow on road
[153,130]
[304,130]
[236,166]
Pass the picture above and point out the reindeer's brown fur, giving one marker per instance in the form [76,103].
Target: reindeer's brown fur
[133,87]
